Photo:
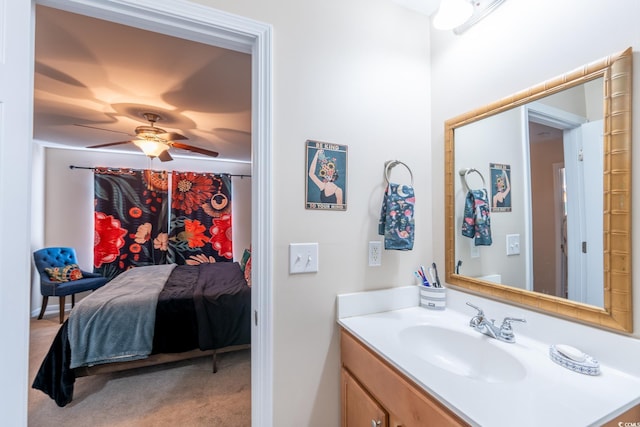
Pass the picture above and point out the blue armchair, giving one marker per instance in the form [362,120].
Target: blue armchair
[61,265]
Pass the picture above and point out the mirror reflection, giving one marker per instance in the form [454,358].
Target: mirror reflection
[538,196]
[540,167]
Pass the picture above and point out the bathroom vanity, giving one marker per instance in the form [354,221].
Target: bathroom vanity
[399,401]
[404,365]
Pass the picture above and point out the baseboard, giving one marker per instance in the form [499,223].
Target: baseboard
[51,309]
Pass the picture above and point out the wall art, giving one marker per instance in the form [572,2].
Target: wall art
[326,183]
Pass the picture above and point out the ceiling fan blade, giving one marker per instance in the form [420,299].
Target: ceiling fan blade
[195,149]
[109,144]
[171,136]
[99,128]
[165,156]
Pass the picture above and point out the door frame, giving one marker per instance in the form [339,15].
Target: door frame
[550,116]
[180,18]
[558,208]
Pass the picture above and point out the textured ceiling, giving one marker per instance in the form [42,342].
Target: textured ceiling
[94,79]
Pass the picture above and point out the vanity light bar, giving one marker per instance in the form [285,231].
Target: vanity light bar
[480,10]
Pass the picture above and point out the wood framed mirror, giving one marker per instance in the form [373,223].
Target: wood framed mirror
[612,308]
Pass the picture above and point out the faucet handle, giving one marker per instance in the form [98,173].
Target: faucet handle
[478,319]
[506,323]
[506,332]
[480,312]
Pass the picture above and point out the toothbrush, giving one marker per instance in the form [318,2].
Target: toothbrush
[437,279]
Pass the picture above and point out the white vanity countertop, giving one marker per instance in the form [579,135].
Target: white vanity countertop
[547,395]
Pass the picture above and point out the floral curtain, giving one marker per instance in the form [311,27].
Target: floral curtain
[200,227]
[130,221]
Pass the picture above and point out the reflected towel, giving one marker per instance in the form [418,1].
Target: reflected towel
[396,217]
[476,222]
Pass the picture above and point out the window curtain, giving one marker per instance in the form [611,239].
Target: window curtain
[130,219]
[200,227]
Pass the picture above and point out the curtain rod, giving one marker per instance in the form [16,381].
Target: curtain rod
[133,169]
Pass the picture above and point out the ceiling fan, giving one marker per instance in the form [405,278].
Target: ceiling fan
[156,142]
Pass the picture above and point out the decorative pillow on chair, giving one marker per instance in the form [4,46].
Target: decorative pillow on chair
[247,271]
[245,265]
[64,274]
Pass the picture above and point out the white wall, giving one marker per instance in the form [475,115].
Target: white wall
[355,73]
[65,201]
[519,45]
[16,71]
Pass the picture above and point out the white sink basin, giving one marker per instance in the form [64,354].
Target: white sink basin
[467,355]
[469,372]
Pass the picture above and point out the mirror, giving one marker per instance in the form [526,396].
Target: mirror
[555,165]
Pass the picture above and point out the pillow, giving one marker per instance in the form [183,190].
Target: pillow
[245,265]
[245,258]
[247,271]
[64,274]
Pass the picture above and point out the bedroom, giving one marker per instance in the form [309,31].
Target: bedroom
[198,90]
[363,50]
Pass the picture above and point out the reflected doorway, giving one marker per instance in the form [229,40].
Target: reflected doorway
[548,212]
[566,160]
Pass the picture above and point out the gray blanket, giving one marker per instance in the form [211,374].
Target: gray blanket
[127,304]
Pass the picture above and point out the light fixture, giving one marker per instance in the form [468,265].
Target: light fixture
[152,147]
[460,15]
[452,13]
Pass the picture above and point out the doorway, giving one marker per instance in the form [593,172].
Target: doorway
[206,25]
[546,156]
[565,240]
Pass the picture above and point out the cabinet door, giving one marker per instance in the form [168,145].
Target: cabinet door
[359,409]
[406,404]
[395,422]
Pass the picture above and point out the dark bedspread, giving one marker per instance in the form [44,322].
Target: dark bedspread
[176,327]
[223,310]
[207,306]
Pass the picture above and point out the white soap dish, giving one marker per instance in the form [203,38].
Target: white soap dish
[573,359]
[571,353]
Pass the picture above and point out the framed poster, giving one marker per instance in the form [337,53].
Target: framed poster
[500,187]
[326,187]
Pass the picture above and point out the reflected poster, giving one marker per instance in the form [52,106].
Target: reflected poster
[500,187]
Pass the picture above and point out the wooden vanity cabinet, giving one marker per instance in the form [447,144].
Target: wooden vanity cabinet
[359,408]
[373,391]
[629,418]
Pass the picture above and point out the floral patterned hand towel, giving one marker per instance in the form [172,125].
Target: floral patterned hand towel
[396,217]
[476,222]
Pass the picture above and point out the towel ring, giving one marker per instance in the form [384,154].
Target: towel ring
[390,164]
[464,172]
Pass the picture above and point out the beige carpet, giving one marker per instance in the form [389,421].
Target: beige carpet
[183,393]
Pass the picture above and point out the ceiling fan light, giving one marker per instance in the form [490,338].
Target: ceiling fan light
[452,13]
[151,148]
[146,135]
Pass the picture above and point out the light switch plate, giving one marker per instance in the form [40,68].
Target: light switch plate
[513,244]
[303,258]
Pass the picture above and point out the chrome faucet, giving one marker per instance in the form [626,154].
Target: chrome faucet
[503,333]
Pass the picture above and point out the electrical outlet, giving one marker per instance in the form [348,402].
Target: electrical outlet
[475,250]
[375,253]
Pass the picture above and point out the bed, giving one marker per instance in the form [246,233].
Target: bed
[149,315]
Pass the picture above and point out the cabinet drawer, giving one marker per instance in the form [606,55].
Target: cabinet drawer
[409,403]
